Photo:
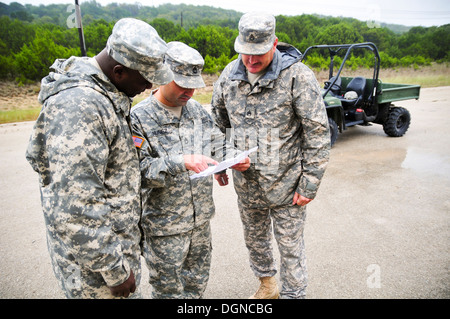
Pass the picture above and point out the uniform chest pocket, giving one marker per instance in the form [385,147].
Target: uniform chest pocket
[166,138]
[273,107]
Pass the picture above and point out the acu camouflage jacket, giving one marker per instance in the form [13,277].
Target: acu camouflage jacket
[284,115]
[88,168]
[172,203]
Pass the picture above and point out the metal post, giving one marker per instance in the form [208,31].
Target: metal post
[80,28]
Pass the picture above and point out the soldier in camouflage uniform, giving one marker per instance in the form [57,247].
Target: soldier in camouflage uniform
[82,148]
[175,138]
[268,98]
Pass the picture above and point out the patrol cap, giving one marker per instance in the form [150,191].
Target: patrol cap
[256,33]
[186,64]
[137,45]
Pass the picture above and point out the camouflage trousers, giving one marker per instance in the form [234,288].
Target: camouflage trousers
[78,282]
[288,224]
[179,264]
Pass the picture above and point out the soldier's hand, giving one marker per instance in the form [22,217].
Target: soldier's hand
[242,165]
[197,162]
[300,200]
[124,289]
[222,179]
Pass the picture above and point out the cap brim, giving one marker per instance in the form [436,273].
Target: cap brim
[252,48]
[161,76]
[189,81]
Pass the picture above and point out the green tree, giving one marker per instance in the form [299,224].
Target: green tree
[339,34]
[441,40]
[283,37]
[28,47]
[96,35]
[14,33]
[216,65]
[167,30]
[209,41]
[383,38]
[34,59]
[6,66]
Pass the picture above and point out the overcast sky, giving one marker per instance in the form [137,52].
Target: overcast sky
[405,12]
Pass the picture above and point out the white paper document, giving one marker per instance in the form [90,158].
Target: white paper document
[224,165]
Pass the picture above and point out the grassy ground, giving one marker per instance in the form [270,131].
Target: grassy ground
[20,103]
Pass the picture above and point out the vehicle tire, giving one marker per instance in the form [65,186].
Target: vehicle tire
[333,130]
[397,122]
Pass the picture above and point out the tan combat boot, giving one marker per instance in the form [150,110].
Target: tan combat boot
[268,289]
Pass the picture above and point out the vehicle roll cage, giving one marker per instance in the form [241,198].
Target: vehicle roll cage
[334,50]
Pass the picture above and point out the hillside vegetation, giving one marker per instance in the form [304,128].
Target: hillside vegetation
[32,37]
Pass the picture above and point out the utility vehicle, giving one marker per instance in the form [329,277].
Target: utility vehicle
[358,100]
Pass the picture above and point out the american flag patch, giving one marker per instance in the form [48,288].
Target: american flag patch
[138,141]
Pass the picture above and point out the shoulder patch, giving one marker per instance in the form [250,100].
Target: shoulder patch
[138,141]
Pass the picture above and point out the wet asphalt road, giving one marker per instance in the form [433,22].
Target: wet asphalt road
[379,227]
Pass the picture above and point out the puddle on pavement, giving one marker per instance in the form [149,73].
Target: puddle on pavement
[392,157]
[428,163]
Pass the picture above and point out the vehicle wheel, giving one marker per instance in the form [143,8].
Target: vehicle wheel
[333,131]
[397,122]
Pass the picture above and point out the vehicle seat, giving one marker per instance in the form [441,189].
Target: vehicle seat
[336,88]
[358,85]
